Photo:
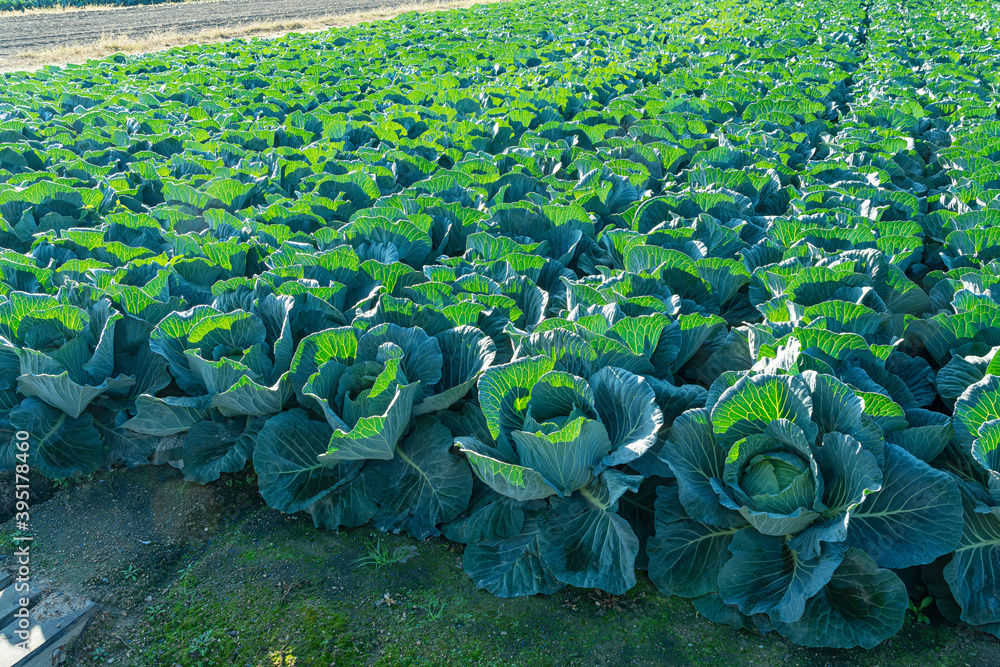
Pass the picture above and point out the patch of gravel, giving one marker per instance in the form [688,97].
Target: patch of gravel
[57,604]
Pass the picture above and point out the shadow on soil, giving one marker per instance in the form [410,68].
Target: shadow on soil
[199,576]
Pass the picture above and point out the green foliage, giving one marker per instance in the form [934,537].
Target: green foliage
[917,611]
[589,287]
[379,556]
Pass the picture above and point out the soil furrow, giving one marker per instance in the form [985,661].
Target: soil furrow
[32,32]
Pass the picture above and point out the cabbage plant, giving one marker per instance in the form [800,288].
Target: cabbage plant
[223,362]
[355,453]
[791,511]
[967,585]
[552,458]
[60,380]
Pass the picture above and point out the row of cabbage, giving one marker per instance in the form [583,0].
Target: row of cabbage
[703,289]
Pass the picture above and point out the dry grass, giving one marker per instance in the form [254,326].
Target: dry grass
[84,8]
[112,43]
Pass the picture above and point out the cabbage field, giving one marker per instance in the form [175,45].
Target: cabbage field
[704,289]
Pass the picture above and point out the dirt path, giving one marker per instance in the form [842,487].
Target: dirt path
[51,30]
[209,575]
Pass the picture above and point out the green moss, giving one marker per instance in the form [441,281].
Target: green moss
[7,536]
[268,590]
[273,552]
[196,627]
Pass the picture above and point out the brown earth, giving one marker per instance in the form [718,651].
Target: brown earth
[46,30]
[36,38]
[208,576]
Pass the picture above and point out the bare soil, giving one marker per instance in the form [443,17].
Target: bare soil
[209,576]
[49,30]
